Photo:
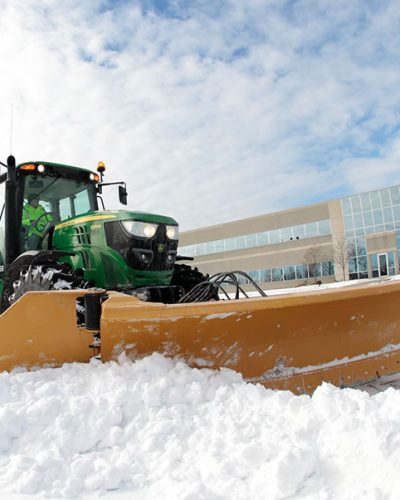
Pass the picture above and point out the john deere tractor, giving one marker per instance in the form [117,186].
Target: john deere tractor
[78,245]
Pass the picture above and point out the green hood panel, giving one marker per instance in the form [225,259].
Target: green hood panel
[95,217]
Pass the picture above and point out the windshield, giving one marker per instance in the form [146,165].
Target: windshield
[62,197]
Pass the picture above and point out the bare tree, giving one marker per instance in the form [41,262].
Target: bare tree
[341,255]
[344,253]
[315,258]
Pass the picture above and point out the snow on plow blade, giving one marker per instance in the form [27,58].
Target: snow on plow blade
[295,341]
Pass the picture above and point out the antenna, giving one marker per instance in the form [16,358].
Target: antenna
[11,126]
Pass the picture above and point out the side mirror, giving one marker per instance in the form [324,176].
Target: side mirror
[123,195]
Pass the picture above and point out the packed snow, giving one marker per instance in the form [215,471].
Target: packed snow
[157,429]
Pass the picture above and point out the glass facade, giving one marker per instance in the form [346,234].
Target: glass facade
[298,232]
[372,212]
[293,272]
[368,213]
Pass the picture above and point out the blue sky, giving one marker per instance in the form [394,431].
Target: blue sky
[210,110]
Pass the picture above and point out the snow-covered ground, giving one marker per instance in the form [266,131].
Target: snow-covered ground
[156,429]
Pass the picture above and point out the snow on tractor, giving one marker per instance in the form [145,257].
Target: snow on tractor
[78,281]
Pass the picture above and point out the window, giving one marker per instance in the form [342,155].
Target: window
[395,195]
[65,208]
[378,217]
[186,251]
[387,215]
[352,265]
[311,229]
[368,220]
[266,275]
[251,240]
[240,242]
[391,263]
[324,227]
[81,202]
[385,198]
[286,234]
[356,204]
[365,202]
[274,236]
[358,221]
[298,232]
[348,222]
[289,273]
[396,213]
[230,244]
[346,206]
[358,247]
[61,196]
[276,274]
[220,245]
[375,200]
[210,246]
[362,264]
[314,270]
[255,276]
[262,239]
[301,271]
[328,268]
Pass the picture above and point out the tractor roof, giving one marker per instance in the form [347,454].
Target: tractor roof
[54,165]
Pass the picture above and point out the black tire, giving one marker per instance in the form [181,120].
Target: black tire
[187,277]
[38,275]
[20,264]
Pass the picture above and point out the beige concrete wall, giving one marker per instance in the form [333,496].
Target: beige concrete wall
[339,246]
[279,255]
[286,218]
[381,242]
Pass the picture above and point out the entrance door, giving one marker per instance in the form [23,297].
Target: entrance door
[383,264]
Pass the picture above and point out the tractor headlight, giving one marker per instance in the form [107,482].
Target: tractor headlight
[141,229]
[172,232]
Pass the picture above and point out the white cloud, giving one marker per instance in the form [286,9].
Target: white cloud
[370,173]
[223,110]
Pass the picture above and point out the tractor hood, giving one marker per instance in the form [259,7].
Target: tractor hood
[116,215]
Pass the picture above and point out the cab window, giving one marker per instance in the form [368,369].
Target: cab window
[62,197]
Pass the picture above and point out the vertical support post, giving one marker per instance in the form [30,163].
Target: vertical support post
[11,213]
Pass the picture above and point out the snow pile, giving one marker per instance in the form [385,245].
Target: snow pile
[158,429]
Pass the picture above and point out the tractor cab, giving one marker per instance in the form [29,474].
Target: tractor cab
[46,194]
[35,196]
[51,193]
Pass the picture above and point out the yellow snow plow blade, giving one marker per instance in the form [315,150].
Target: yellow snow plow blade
[294,341]
[41,329]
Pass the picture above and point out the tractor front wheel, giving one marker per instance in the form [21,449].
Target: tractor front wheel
[38,277]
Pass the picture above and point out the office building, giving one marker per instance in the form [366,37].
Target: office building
[352,237]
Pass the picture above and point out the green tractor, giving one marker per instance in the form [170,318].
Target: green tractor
[76,245]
